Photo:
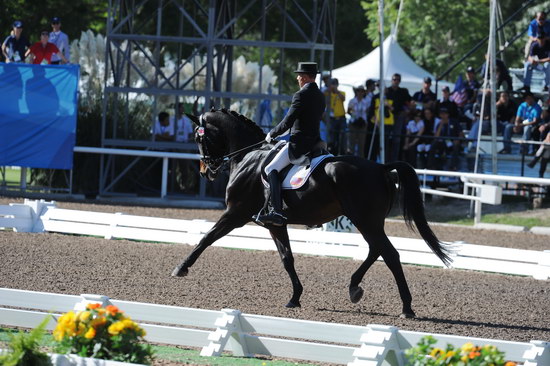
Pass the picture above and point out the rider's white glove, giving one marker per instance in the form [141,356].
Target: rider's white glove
[268,138]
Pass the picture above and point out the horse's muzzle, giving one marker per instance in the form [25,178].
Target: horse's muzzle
[205,172]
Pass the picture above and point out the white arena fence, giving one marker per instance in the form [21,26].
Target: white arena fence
[252,335]
[41,216]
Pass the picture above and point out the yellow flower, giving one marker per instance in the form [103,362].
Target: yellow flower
[464,358]
[436,352]
[115,328]
[84,316]
[467,347]
[450,354]
[90,333]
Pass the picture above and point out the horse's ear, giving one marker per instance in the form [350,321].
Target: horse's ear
[193,118]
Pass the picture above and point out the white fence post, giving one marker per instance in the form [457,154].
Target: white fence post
[543,272]
[228,330]
[379,344]
[91,299]
[112,227]
[538,355]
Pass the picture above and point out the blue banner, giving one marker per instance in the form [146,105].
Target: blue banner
[38,109]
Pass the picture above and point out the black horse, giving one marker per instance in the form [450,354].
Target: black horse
[343,185]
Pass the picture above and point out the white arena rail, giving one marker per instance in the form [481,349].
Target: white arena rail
[249,335]
[46,217]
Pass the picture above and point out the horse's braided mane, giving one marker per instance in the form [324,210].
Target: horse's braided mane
[244,120]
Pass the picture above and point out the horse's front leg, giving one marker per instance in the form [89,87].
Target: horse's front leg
[280,236]
[225,224]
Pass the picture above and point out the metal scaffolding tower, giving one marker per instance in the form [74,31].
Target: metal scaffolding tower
[184,51]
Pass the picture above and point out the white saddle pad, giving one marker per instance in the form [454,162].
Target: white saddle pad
[298,175]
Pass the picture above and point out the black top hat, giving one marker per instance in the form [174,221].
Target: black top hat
[307,68]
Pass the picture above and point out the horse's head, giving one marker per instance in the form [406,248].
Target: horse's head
[211,143]
[221,135]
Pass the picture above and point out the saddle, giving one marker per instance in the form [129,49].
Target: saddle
[295,176]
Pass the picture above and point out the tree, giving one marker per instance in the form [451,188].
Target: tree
[433,32]
[76,16]
[437,33]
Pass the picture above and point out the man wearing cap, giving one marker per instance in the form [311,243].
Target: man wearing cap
[42,52]
[446,102]
[539,59]
[15,45]
[302,119]
[400,99]
[61,40]
[424,96]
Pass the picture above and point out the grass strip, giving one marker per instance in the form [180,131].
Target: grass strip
[177,354]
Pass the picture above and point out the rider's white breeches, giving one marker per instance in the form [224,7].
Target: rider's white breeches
[279,162]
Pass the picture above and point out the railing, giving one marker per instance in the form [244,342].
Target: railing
[248,334]
[43,216]
[483,185]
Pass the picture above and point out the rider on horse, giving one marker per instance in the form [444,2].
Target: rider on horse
[303,117]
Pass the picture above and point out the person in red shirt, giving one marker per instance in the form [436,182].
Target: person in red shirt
[41,52]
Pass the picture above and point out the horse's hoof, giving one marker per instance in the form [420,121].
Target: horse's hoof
[355,294]
[407,315]
[180,272]
[291,305]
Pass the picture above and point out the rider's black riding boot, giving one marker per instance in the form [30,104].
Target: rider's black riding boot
[533,162]
[275,216]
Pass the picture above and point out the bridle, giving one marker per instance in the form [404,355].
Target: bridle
[215,164]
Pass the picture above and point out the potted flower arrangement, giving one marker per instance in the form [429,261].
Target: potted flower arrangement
[104,333]
[424,354]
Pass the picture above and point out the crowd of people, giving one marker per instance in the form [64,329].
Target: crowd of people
[52,48]
[432,133]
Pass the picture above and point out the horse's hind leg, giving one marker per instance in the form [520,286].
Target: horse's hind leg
[280,236]
[379,244]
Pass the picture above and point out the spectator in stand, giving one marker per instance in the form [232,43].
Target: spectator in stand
[325,78]
[425,97]
[538,25]
[61,40]
[446,102]
[42,52]
[506,114]
[425,143]
[543,152]
[371,128]
[357,109]
[504,80]
[527,117]
[164,130]
[539,59]
[16,44]
[472,87]
[446,132]
[401,99]
[415,129]
[373,115]
[337,113]
[184,126]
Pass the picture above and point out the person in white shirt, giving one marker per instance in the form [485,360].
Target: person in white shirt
[164,129]
[61,40]
[357,109]
[184,126]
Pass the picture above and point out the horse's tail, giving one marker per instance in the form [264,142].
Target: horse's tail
[413,208]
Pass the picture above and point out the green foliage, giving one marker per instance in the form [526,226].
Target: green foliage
[425,354]
[433,32]
[24,348]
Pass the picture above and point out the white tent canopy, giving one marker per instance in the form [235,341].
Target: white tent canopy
[395,61]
